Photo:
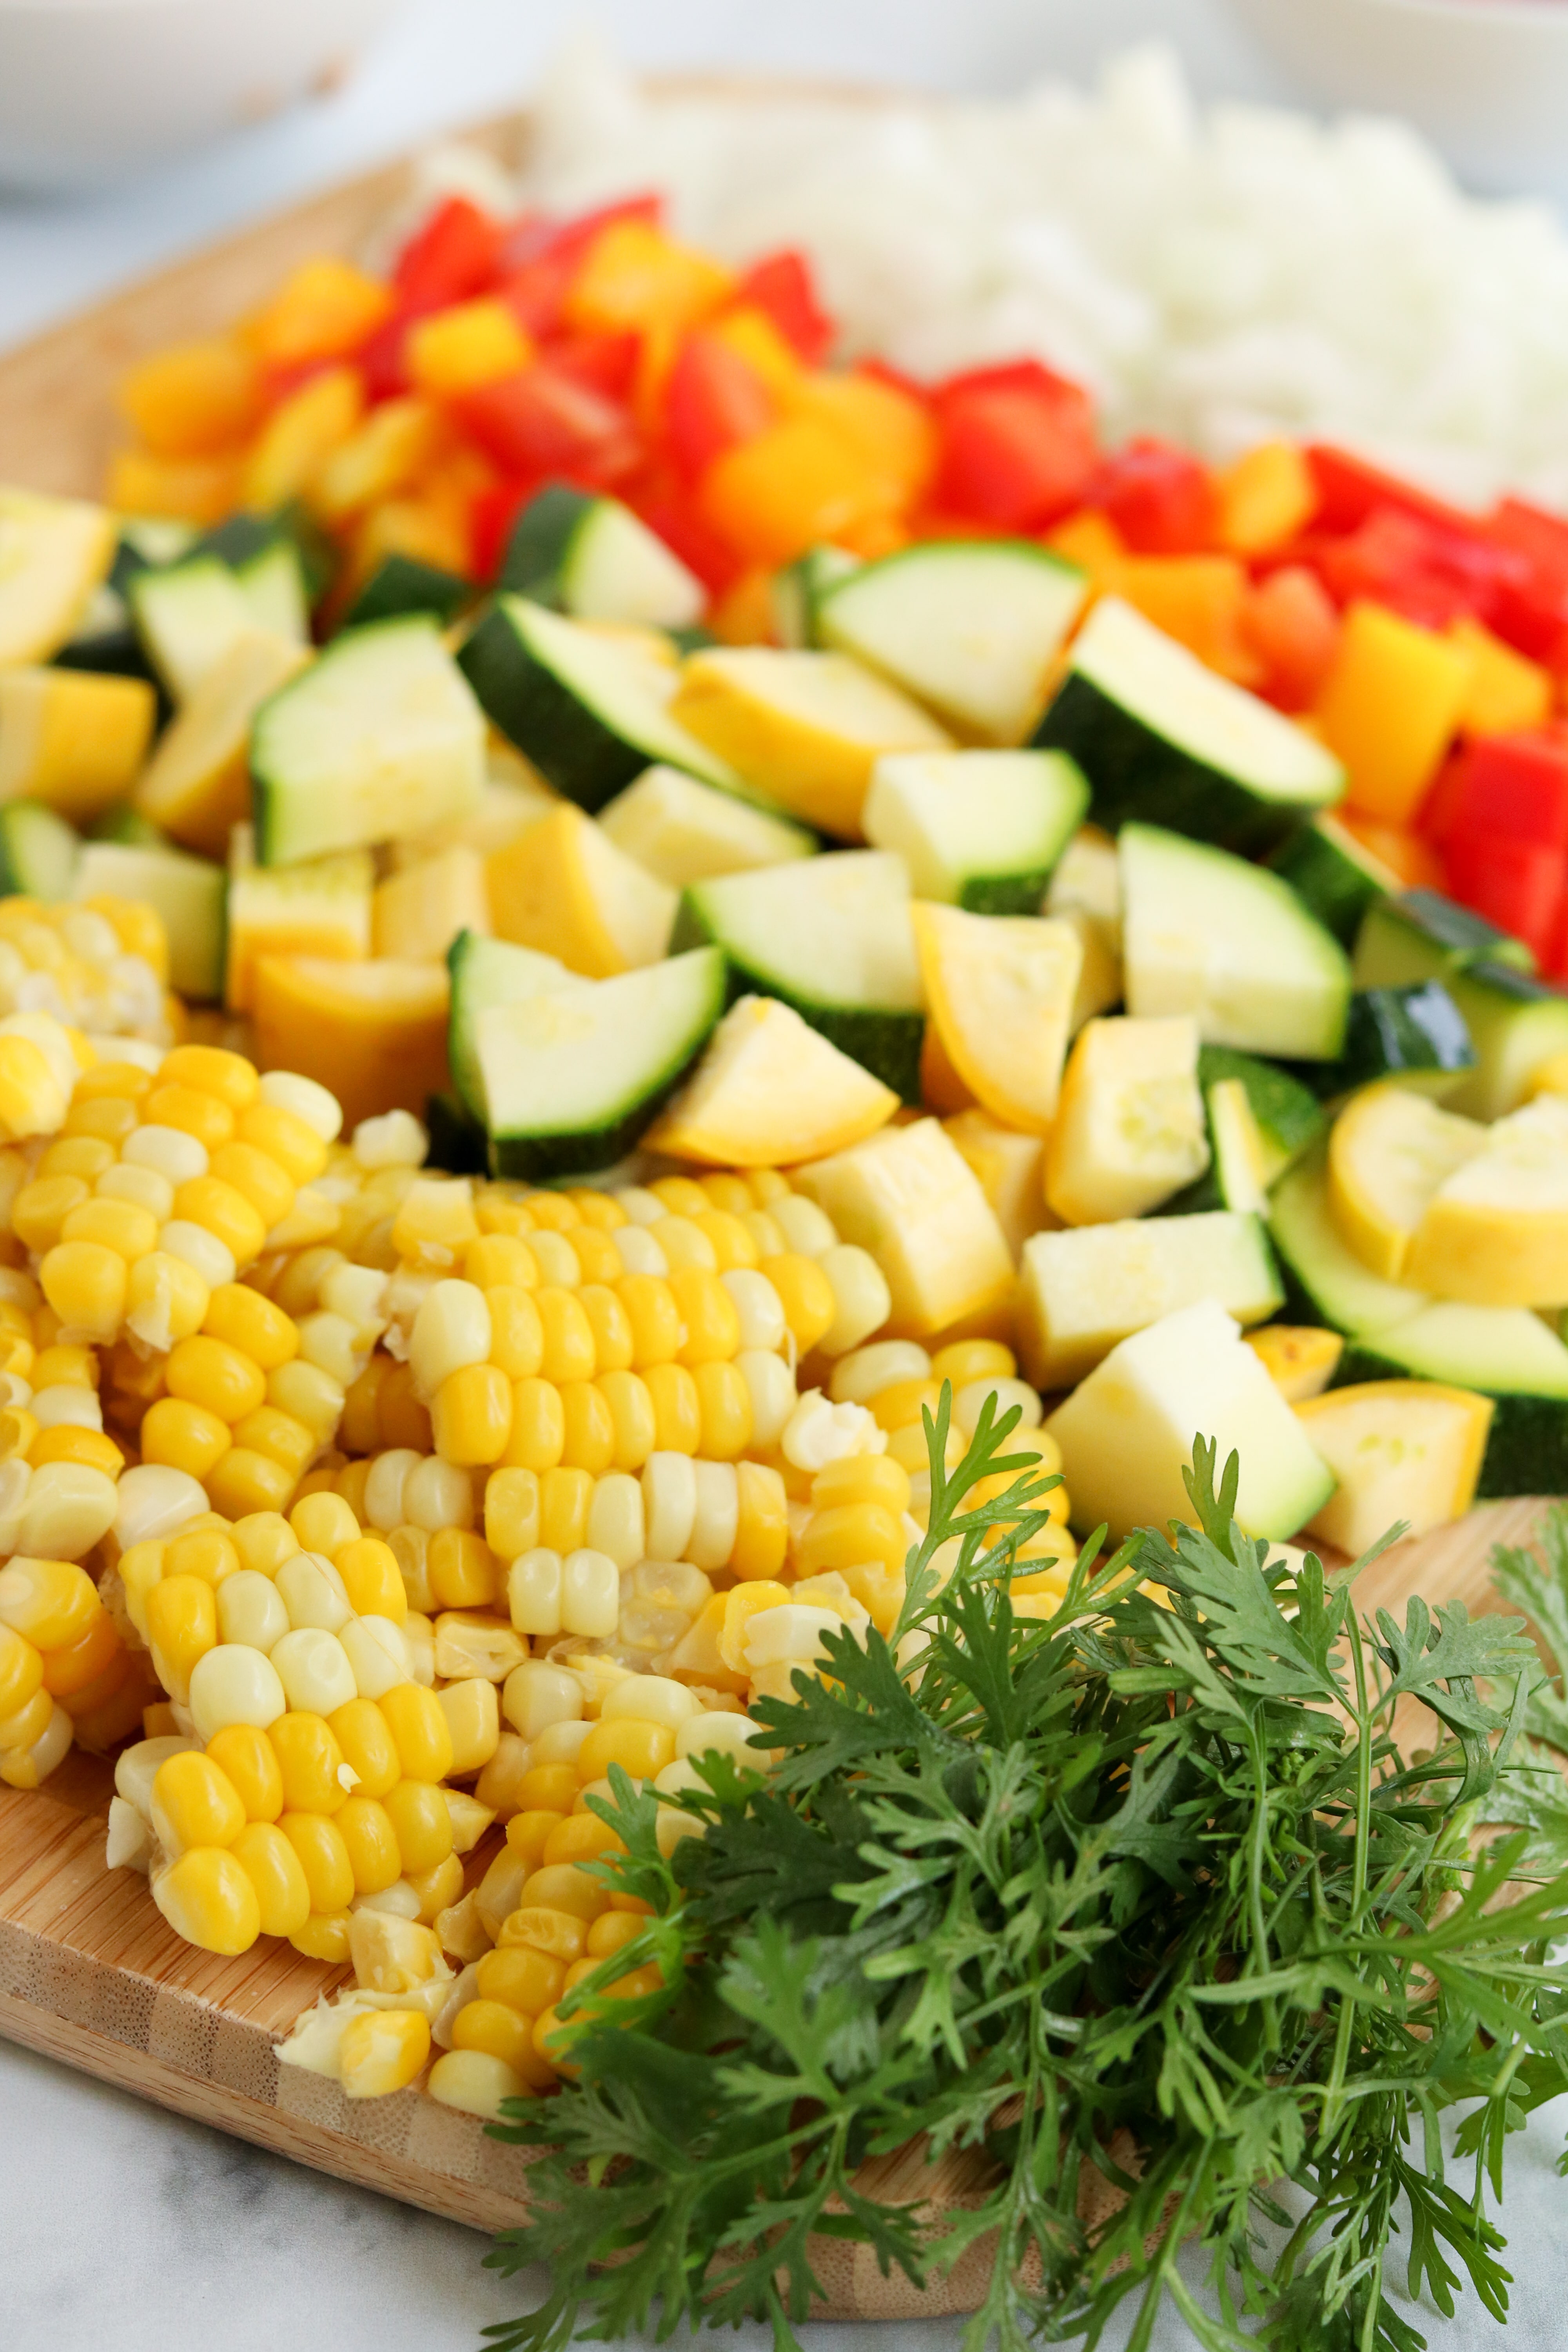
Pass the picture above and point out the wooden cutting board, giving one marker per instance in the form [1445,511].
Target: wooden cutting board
[88,1971]
[90,1974]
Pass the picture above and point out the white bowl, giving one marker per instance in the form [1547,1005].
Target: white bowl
[1485,80]
[93,89]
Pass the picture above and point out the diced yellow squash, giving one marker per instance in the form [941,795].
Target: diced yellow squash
[1390,707]
[194,400]
[1130,1129]
[1298,1358]
[53,554]
[769,1090]
[1081,1292]
[1010,1168]
[910,1198]
[1390,1150]
[71,738]
[381,457]
[1506,691]
[300,436]
[513,797]
[683,830]
[1495,1233]
[418,913]
[1408,1450]
[372,1033]
[1551,1078]
[563,887]
[321,910]
[196,786]
[1001,990]
[1265,497]
[942,1088]
[807,729]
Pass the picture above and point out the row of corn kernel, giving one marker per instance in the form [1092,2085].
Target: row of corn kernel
[160,1187]
[65,1672]
[101,967]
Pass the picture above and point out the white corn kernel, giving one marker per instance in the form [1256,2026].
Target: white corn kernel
[313,1592]
[806,1228]
[638,1249]
[759,1308]
[393,1955]
[533,1591]
[640,1206]
[130,1842]
[155,1500]
[451,1329]
[396,1139]
[650,1699]
[770,1384]
[438,1495]
[716,1520]
[201,1250]
[142,1187]
[315,1104]
[474,2083]
[559,1743]
[817,1432]
[501,1889]
[864,1372]
[69,1508]
[67,1404]
[473,1719]
[556,1260]
[383,1487]
[672,1822]
[331,1343]
[357,1293]
[168,1151]
[250,1609]
[616,1519]
[473,1642]
[234,1684]
[314,1669]
[861,1298]
[136,1768]
[685,1244]
[670,1505]
[470,1820]
[377,1656]
[790,1634]
[709,1733]
[590,1594]
[537,1694]
[399,1901]
[770,1242]
[419,1642]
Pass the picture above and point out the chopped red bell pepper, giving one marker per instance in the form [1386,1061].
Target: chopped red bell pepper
[714,401]
[490,519]
[664,503]
[1427,576]
[543,421]
[1351,488]
[780,284]
[1530,609]
[455,255]
[1502,788]
[1289,622]
[541,258]
[1518,884]
[606,364]
[1018,448]
[1160,499]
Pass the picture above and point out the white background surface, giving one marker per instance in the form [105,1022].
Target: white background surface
[120,2224]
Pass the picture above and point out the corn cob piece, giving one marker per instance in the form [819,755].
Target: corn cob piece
[101,967]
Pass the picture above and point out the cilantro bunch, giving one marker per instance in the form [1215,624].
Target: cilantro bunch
[1152,1888]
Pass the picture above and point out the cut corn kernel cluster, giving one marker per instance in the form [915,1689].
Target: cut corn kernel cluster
[65,1672]
[101,967]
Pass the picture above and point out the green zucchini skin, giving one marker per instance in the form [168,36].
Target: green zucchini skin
[885,1041]
[589,1151]
[1287,1111]
[1136,776]
[1328,880]
[401,584]
[457,1141]
[571,747]
[1527,1447]
[541,544]
[1416,1030]
[1005,894]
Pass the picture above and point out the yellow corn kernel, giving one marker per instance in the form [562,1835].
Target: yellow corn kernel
[323,1858]
[724,1403]
[538,1426]
[311,1395]
[547,1788]
[471,1418]
[743,1603]
[582,1837]
[209,1552]
[365,1827]
[208,1202]
[632,1416]
[42,1208]
[475,2084]
[116,1225]
[527,1980]
[561,1886]
[285,1138]
[498,2030]
[588,1440]
[847,1534]
[246,1481]
[195,1803]
[762,1531]
[598,1259]
[512,1512]
[677,1407]
[86,1156]
[370,1571]
[681,1195]
[542,1926]
[568,1336]
[308,1762]
[640,1749]
[324,1523]
[419,1733]
[565,1499]
[614,1347]
[420,1819]
[497,1261]
[243,1320]
[517,1334]
[463,1571]
[264,1540]
[368,1748]
[248,1761]
[527,1834]
[805,1294]
[278,1435]
[708,1313]
[862,1478]
[86,1285]
[208,1899]
[210,1373]
[184,1436]
[903,1403]
[383,2051]
[181,1626]
[324,1936]
[67,1443]
[273,1868]
[165,1300]
[21,1672]
[963,1361]
[655,1318]
[192,1111]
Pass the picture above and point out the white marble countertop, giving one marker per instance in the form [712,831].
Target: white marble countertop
[118,2223]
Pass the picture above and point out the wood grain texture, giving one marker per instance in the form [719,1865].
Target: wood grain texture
[90,1974]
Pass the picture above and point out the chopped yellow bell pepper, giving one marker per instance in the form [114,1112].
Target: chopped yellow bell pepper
[1389,707]
[194,400]
[300,437]
[470,344]
[380,457]
[72,738]
[323,310]
[634,276]
[1505,690]
[1265,499]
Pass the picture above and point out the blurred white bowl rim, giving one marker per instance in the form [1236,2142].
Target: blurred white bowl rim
[1485,80]
[92,90]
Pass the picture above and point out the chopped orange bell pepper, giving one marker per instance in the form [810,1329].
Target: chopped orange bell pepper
[1415,861]
[1265,499]
[186,490]
[752,335]
[633,274]
[470,344]
[890,432]
[195,399]
[300,436]
[324,310]
[380,457]
[1200,601]
[1092,542]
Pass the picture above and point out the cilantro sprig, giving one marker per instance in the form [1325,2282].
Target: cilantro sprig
[1150,1888]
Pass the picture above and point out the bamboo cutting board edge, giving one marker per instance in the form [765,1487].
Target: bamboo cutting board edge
[90,1974]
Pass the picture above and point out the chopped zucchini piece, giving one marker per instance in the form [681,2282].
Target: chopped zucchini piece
[1388,1154]
[981,830]
[196,786]
[682,831]
[319,910]
[187,617]
[1239,1172]
[401,584]
[1082,1292]
[188,893]
[72,740]
[1405,1452]
[1001,990]
[1424,936]
[1289,1116]
[53,554]
[594,559]
[574,1077]
[910,1198]
[272,582]
[1130,1129]
[1325,1282]
[807,729]
[1208,934]
[1516,1024]
[487,972]
[563,888]
[1166,741]
[769,1090]
[798,591]
[39,853]
[380,738]
[1335,876]
[1495,1232]
[1085,891]
[1415,1035]
[970,627]
[833,937]
[1126,1433]
[1300,1360]
[1506,1353]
